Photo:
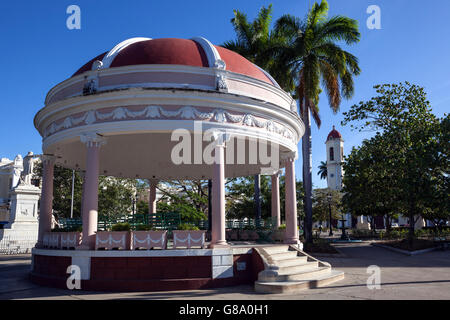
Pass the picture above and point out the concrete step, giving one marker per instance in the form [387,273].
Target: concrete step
[276,249]
[291,262]
[301,266]
[282,256]
[308,273]
[297,286]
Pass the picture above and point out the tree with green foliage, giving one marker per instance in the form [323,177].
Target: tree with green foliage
[256,42]
[311,50]
[413,147]
[189,198]
[321,204]
[240,201]
[367,186]
[115,196]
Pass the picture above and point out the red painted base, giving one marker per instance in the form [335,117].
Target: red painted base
[129,274]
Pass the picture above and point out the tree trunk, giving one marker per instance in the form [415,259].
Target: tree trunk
[307,175]
[412,223]
[387,223]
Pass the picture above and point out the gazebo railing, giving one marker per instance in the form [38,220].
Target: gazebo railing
[166,221]
[163,221]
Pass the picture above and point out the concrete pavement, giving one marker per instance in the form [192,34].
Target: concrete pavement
[422,277]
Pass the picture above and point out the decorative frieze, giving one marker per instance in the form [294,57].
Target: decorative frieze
[158,112]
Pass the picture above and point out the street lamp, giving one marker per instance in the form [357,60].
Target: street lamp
[330,198]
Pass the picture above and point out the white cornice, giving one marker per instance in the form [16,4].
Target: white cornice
[142,126]
[166,68]
[241,104]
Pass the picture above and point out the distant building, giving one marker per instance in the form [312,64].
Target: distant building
[335,172]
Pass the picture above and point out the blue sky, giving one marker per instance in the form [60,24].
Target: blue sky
[38,51]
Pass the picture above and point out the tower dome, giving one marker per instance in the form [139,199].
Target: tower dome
[334,134]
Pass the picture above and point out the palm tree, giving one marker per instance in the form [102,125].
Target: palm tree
[323,172]
[256,42]
[313,55]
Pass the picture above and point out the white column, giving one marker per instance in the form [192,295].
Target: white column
[152,196]
[291,236]
[276,199]
[218,238]
[45,212]
[90,192]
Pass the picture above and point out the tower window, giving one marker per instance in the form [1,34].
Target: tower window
[331,154]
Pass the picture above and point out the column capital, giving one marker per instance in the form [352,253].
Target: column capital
[48,159]
[271,172]
[153,182]
[221,138]
[92,139]
[290,156]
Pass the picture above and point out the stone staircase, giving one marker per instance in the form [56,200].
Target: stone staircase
[290,270]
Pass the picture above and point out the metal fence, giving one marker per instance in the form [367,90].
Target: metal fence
[167,221]
[12,244]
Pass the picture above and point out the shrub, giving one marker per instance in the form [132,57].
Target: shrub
[187,226]
[124,226]
[72,229]
[282,227]
[145,227]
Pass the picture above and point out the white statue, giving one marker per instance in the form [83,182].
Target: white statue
[28,168]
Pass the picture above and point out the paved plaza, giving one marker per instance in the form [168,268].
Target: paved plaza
[421,277]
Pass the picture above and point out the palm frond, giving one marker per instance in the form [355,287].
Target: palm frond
[318,13]
[330,82]
[339,28]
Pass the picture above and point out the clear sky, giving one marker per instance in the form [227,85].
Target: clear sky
[37,51]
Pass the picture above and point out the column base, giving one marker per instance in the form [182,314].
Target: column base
[291,241]
[223,245]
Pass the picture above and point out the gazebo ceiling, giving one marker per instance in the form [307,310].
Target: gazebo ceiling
[152,155]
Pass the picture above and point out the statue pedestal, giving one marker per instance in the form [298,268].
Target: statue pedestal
[21,232]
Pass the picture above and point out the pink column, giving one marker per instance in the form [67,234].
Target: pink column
[152,197]
[276,199]
[291,236]
[90,191]
[45,212]
[218,239]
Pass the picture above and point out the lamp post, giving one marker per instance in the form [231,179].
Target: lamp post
[73,189]
[330,198]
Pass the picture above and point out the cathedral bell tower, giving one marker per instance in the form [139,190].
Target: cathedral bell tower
[335,155]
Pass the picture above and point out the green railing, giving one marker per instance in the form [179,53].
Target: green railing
[166,221]
[267,223]
[163,221]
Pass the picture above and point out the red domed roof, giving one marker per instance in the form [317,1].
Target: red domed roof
[334,134]
[162,51]
[178,52]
